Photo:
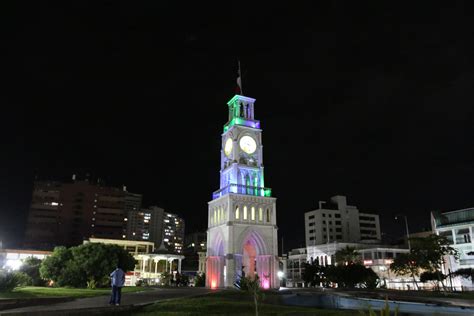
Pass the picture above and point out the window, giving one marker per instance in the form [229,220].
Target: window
[215,216]
[237,212]
[338,222]
[367,225]
[252,213]
[367,218]
[324,214]
[324,229]
[245,212]
[338,229]
[311,217]
[311,238]
[260,214]
[268,215]
[330,215]
[337,215]
[324,222]
[311,231]
[311,224]
[339,237]
[218,216]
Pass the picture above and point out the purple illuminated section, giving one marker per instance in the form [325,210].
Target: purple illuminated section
[241,121]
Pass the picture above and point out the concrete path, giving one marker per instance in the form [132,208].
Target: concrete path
[100,304]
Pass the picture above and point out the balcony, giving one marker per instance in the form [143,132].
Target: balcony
[242,189]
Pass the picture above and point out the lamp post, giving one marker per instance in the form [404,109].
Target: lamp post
[406,227]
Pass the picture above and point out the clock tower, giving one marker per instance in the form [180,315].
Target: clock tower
[242,232]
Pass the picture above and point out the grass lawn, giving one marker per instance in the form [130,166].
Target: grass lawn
[36,291]
[231,303]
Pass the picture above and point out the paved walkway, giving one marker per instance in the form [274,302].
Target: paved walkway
[100,304]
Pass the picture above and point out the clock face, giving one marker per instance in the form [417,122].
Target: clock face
[248,144]
[228,147]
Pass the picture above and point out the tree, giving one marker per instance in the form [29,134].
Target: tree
[407,264]
[59,268]
[252,286]
[98,260]
[85,265]
[31,267]
[348,255]
[467,273]
[352,275]
[431,252]
[313,274]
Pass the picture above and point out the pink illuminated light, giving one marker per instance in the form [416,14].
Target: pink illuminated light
[213,284]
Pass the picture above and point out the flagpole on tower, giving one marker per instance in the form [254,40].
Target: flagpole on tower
[239,80]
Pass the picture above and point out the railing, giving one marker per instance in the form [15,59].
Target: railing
[242,189]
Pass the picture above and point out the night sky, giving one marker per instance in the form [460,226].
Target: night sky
[370,101]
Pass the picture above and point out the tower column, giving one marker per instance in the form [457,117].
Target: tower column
[230,270]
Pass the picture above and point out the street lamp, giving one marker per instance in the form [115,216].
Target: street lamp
[406,226]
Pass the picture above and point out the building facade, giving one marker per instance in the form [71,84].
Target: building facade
[340,222]
[242,233]
[458,227]
[293,268]
[155,225]
[67,213]
[376,257]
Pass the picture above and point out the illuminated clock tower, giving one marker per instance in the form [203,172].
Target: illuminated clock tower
[242,232]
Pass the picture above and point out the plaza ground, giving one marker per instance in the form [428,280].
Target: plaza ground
[193,301]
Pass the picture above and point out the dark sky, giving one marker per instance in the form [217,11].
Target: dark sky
[371,101]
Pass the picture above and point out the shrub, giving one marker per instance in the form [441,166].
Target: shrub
[8,281]
[200,280]
[23,279]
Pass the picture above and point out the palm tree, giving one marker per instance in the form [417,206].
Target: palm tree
[348,255]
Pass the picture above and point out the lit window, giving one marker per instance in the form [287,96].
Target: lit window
[222,214]
[245,212]
[218,216]
[268,215]
[125,219]
[237,212]
[252,213]
[260,214]
[54,203]
[215,216]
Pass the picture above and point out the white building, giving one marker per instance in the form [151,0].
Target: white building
[293,267]
[340,222]
[242,232]
[458,227]
[377,257]
[12,259]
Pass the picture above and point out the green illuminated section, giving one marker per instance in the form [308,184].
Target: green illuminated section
[267,192]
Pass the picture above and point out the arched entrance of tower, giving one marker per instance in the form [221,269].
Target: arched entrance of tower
[255,259]
[215,262]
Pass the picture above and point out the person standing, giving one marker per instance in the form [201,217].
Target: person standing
[117,282]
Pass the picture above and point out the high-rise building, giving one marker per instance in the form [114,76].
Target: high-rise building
[340,222]
[67,213]
[42,227]
[173,232]
[242,233]
[155,225]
